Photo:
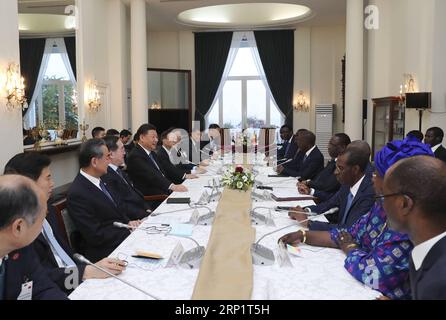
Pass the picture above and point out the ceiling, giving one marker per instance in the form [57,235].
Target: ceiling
[162,14]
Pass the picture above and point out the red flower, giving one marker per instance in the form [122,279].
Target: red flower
[239,170]
[16,257]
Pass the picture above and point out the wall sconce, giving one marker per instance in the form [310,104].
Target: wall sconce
[13,86]
[155,105]
[409,86]
[301,104]
[93,97]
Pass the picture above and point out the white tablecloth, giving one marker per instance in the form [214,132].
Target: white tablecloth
[318,274]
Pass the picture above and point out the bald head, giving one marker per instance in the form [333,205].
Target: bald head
[423,179]
[20,198]
[362,146]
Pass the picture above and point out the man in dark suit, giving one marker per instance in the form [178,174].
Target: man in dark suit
[354,199]
[286,134]
[91,204]
[174,171]
[414,200]
[22,212]
[53,251]
[434,138]
[325,185]
[307,162]
[144,167]
[131,200]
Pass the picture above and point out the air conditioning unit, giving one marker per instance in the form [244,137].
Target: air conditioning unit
[324,127]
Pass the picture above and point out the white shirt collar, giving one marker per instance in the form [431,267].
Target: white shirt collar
[434,148]
[3,259]
[310,151]
[114,167]
[93,180]
[355,188]
[420,252]
[147,151]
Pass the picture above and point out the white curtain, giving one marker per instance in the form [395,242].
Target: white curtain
[30,119]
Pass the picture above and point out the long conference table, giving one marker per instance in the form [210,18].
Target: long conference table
[314,274]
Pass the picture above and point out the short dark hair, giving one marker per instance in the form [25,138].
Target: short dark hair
[285,126]
[416,134]
[18,200]
[309,136]
[409,174]
[89,150]
[144,129]
[438,132]
[111,142]
[112,132]
[362,146]
[125,133]
[214,126]
[96,130]
[357,157]
[343,138]
[29,164]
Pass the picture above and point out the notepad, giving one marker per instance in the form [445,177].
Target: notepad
[181,230]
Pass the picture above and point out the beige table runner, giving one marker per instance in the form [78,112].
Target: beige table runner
[226,272]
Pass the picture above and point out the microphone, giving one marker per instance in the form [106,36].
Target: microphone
[260,219]
[284,163]
[264,256]
[82,259]
[279,182]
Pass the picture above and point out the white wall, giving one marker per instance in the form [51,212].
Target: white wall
[410,40]
[10,121]
[327,51]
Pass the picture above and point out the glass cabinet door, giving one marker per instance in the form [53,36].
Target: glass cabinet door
[382,127]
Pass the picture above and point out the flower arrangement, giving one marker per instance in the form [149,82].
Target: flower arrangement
[238,179]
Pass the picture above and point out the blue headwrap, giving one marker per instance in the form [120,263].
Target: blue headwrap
[397,150]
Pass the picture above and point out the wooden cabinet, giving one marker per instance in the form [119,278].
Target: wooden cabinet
[388,121]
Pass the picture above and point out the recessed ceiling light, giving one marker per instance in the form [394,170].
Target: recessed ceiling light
[245,14]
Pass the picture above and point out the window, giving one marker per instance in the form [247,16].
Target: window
[244,99]
[53,103]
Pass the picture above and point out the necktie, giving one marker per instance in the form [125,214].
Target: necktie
[288,144]
[2,279]
[122,175]
[305,158]
[347,207]
[105,191]
[55,246]
[154,162]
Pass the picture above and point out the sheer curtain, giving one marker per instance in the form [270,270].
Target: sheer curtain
[30,119]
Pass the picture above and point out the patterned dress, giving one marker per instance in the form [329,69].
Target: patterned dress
[382,259]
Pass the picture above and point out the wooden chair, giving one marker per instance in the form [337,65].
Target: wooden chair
[66,224]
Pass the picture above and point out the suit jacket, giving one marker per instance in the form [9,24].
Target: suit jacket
[144,174]
[283,153]
[307,169]
[46,256]
[362,203]
[22,266]
[131,200]
[325,184]
[93,214]
[429,282]
[174,173]
[440,153]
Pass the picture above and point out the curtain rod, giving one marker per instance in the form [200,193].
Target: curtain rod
[48,36]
